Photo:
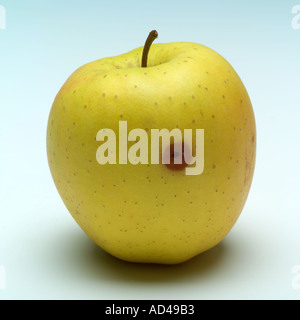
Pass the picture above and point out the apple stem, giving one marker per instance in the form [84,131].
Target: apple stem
[152,36]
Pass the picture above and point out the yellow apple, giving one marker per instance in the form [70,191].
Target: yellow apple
[150,212]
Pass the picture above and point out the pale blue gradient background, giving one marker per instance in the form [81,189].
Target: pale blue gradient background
[45,254]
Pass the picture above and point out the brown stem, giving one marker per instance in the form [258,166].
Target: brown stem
[152,36]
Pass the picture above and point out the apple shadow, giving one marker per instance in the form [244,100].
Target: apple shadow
[98,265]
[201,265]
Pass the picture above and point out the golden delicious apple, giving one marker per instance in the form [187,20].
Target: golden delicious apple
[153,212]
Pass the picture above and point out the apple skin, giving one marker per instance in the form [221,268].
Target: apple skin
[149,213]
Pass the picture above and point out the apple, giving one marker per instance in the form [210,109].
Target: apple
[154,213]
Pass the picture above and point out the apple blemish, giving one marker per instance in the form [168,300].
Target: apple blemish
[174,157]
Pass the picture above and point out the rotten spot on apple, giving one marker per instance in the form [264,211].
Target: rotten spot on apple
[174,157]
